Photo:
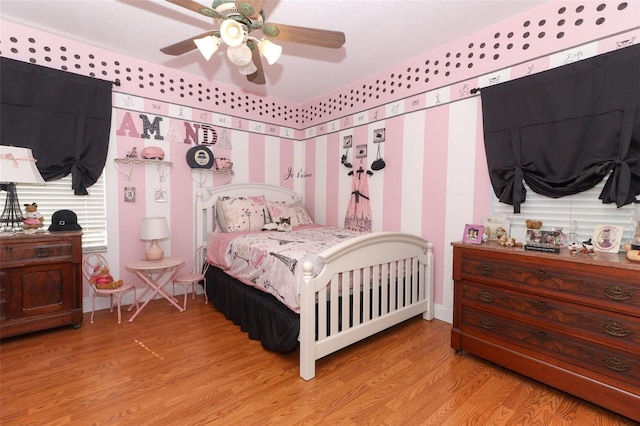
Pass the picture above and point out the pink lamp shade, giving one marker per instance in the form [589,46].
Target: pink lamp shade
[154,229]
[17,165]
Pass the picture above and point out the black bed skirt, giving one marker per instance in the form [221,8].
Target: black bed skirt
[266,319]
[257,313]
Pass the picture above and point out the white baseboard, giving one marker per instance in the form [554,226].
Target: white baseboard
[102,302]
[443,313]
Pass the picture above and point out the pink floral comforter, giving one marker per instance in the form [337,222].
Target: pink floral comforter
[272,261]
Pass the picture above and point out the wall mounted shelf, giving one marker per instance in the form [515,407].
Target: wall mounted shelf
[200,175]
[162,166]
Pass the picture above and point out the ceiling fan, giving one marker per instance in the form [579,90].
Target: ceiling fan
[237,20]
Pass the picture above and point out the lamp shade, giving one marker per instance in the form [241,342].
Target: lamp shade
[248,69]
[239,55]
[154,229]
[232,32]
[17,165]
[207,45]
[270,51]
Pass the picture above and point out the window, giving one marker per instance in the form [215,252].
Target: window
[58,195]
[585,208]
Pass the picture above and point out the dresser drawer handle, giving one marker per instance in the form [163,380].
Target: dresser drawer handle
[542,302]
[485,323]
[485,269]
[42,252]
[616,293]
[487,297]
[615,329]
[542,271]
[616,364]
[8,249]
[542,332]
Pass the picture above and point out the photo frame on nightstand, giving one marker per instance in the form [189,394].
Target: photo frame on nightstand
[472,234]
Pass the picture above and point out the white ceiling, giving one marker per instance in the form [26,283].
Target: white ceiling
[379,34]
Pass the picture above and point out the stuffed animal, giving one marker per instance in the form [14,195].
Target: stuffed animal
[509,242]
[633,252]
[582,249]
[32,218]
[102,279]
[533,224]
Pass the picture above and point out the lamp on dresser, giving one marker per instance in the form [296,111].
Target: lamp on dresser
[17,165]
[154,229]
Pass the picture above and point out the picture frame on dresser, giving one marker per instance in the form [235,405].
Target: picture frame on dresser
[472,234]
[607,238]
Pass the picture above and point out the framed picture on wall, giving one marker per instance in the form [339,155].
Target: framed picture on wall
[129,194]
[607,238]
[347,142]
[472,234]
[379,135]
[161,195]
[361,151]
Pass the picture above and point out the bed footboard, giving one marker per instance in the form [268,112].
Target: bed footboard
[388,277]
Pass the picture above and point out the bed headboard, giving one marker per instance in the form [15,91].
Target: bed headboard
[206,202]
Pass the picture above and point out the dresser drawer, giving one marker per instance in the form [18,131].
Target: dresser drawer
[619,365]
[595,286]
[605,327]
[46,251]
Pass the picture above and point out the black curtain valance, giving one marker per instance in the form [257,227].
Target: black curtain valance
[64,118]
[562,131]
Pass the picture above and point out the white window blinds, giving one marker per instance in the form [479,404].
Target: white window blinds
[58,195]
[584,208]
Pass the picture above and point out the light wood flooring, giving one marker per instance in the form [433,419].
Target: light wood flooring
[197,368]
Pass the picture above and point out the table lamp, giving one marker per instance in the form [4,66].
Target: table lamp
[17,165]
[154,229]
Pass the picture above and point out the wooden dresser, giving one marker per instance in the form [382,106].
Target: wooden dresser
[40,281]
[570,321]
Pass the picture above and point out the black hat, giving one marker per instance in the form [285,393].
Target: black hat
[64,220]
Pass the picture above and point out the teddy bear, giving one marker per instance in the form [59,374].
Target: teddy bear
[533,224]
[32,218]
[102,279]
[509,242]
[633,251]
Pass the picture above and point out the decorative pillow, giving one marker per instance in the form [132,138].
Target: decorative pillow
[242,213]
[295,211]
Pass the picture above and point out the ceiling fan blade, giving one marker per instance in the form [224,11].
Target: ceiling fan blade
[250,8]
[184,46]
[198,8]
[312,36]
[258,76]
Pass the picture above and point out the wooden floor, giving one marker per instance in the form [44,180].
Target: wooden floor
[196,368]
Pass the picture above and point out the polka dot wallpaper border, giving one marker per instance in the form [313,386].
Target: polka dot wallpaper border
[549,28]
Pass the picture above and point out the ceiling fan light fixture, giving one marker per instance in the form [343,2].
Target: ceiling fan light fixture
[270,51]
[232,32]
[248,69]
[207,45]
[239,55]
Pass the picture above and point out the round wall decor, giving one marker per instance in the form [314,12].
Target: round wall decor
[200,157]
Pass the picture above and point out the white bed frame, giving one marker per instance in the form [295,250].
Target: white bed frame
[362,263]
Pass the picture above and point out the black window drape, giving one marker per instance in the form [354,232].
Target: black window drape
[563,130]
[64,118]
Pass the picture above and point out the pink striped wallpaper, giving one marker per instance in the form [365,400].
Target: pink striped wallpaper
[435,179]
